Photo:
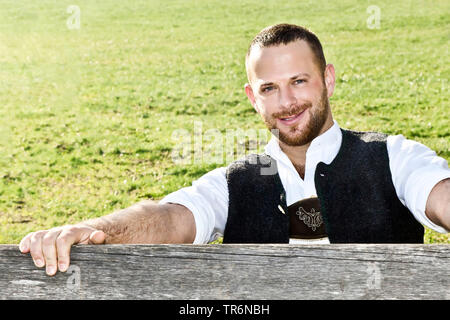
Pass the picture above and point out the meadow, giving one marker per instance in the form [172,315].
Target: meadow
[88,111]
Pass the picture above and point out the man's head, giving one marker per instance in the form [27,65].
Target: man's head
[290,82]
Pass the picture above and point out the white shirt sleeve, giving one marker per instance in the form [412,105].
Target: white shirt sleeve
[415,170]
[207,199]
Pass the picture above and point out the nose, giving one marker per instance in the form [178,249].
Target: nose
[287,98]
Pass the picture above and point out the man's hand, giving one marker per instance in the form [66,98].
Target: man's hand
[144,222]
[51,248]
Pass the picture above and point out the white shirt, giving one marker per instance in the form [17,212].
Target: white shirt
[415,170]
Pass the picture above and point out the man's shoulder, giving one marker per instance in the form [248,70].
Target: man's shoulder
[362,144]
[255,163]
[365,136]
[253,159]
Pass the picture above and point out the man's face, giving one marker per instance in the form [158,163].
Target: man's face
[289,91]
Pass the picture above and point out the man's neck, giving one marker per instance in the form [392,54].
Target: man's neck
[297,154]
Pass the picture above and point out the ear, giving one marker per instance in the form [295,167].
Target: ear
[330,80]
[251,96]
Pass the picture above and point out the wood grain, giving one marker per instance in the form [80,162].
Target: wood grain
[350,271]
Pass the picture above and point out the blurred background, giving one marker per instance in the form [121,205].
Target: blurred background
[91,93]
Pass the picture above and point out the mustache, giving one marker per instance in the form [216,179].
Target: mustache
[293,111]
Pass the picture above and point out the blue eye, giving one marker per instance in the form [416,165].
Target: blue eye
[299,81]
[266,89]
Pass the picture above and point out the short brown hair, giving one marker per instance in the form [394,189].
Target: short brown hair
[286,33]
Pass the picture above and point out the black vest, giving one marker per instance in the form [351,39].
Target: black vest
[357,197]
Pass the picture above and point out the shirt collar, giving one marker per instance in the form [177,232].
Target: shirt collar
[328,144]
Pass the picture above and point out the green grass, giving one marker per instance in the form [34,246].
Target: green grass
[87,116]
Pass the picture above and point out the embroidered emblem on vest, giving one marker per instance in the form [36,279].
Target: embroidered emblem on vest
[312,219]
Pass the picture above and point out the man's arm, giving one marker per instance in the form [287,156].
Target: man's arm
[438,204]
[147,222]
[144,222]
[416,173]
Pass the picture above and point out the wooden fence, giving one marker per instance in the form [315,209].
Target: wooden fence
[279,272]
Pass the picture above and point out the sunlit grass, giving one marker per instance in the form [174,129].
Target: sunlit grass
[87,116]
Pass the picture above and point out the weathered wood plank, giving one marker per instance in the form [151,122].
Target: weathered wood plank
[347,271]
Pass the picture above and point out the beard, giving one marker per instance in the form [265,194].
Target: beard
[295,136]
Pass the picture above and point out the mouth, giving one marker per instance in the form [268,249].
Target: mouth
[289,121]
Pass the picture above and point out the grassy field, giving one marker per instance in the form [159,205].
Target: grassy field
[87,115]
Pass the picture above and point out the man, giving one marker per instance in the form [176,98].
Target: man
[315,182]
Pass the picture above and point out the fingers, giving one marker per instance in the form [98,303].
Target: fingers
[49,250]
[64,242]
[36,248]
[97,237]
[24,244]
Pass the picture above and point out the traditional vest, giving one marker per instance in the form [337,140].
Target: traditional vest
[356,193]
